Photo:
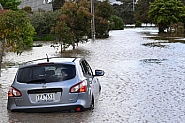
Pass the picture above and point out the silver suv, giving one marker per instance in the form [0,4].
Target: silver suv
[54,84]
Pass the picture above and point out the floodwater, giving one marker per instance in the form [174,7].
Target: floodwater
[144,80]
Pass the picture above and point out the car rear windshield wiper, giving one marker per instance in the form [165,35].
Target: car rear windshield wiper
[36,81]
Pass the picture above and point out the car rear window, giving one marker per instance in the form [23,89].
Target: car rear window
[46,73]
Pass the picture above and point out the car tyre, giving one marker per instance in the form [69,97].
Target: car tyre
[92,104]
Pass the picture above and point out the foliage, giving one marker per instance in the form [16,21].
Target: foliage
[28,9]
[138,23]
[103,13]
[118,23]
[74,21]
[164,12]
[43,38]
[62,32]
[102,27]
[142,8]
[125,11]
[16,32]
[10,4]
[15,27]
[43,21]
[104,10]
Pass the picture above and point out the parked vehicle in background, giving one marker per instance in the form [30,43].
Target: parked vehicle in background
[54,84]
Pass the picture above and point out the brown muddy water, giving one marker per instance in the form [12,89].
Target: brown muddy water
[144,80]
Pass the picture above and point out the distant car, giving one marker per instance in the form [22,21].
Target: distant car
[54,84]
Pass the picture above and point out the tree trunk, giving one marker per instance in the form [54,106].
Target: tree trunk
[161,28]
[73,44]
[61,48]
[61,44]
[1,54]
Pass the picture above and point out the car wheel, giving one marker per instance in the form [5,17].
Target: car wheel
[92,104]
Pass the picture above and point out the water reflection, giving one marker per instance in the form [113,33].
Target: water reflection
[156,44]
[156,61]
[74,53]
[163,38]
[79,117]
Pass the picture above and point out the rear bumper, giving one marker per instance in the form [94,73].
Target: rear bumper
[50,109]
[80,105]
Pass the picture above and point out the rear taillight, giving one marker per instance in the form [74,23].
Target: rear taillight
[80,87]
[14,92]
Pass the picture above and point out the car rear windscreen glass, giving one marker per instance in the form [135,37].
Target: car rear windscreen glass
[46,73]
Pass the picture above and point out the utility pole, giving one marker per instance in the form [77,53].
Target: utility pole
[92,21]
[2,46]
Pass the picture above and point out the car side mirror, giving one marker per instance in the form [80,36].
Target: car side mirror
[99,73]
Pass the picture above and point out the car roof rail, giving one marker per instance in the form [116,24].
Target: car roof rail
[74,59]
[47,58]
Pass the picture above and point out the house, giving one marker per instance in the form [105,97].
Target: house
[37,4]
[112,2]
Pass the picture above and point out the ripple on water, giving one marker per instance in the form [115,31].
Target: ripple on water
[141,84]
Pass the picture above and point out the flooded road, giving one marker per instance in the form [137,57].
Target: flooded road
[144,80]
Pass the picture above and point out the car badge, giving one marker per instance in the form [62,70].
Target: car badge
[44,86]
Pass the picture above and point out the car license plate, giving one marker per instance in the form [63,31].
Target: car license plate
[46,97]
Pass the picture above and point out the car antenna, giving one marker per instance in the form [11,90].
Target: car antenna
[47,58]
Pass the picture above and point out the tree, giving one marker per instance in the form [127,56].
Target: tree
[142,8]
[103,13]
[78,19]
[165,12]
[10,4]
[104,10]
[118,23]
[125,10]
[62,32]
[16,32]
[102,27]
[43,21]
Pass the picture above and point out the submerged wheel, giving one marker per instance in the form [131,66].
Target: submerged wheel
[92,104]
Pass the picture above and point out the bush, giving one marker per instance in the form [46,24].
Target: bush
[48,38]
[36,38]
[138,24]
[118,23]
[43,38]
